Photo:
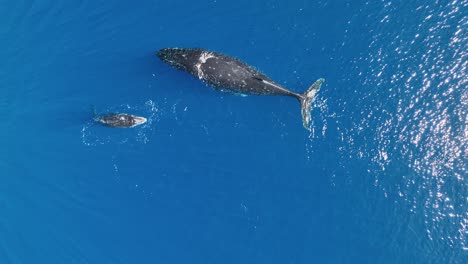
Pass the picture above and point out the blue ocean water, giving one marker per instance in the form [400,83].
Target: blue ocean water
[217,178]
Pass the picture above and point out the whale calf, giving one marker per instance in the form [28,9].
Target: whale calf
[121,120]
[230,74]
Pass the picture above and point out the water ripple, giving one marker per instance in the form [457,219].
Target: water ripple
[417,108]
[93,134]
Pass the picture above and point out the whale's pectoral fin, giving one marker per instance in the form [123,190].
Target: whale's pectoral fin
[307,98]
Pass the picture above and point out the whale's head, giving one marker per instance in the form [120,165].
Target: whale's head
[183,59]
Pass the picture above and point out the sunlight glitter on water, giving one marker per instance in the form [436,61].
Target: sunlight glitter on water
[424,117]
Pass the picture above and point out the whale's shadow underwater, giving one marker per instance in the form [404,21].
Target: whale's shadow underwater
[226,73]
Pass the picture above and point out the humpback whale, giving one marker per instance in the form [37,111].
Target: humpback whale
[227,73]
[120,120]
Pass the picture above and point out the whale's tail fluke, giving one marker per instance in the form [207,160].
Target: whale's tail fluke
[306,99]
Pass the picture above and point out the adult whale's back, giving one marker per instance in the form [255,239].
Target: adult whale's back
[227,73]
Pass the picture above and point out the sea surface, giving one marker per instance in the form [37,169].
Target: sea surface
[381,176]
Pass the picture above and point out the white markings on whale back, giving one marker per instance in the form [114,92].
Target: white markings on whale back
[203,58]
[236,69]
